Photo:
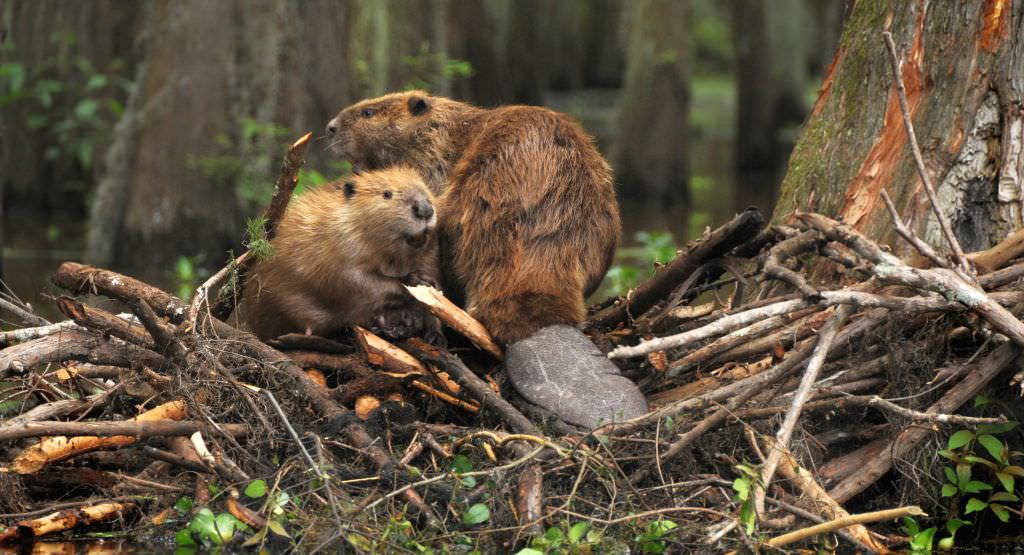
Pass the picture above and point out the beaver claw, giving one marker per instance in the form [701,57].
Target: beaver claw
[560,370]
[402,323]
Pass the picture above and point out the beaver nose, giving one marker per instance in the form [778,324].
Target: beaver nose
[422,209]
[332,127]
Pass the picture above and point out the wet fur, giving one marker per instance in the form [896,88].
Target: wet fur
[528,218]
[341,255]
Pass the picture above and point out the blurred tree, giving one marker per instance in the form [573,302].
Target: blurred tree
[51,50]
[649,154]
[963,66]
[770,75]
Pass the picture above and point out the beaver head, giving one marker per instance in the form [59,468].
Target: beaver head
[391,206]
[384,131]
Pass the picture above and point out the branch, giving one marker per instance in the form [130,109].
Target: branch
[908,235]
[947,231]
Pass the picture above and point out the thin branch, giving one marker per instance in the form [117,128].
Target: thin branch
[947,231]
[908,235]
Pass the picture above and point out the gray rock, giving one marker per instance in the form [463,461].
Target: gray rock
[561,370]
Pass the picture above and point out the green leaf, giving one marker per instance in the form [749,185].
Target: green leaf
[1000,512]
[276,527]
[910,526]
[577,531]
[97,81]
[974,505]
[978,460]
[748,516]
[742,487]
[226,524]
[184,538]
[1014,470]
[946,453]
[963,473]
[256,489]
[184,505]
[1004,496]
[949,490]
[554,536]
[529,551]
[959,439]
[945,544]
[255,539]
[974,486]
[476,514]
[955,524]
[86,109]
[462,464]
[993,446]
[950,475]
[980,400]
[1006,480]
[996,429]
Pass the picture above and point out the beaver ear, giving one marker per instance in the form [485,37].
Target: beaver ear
[350,189]
[418,105]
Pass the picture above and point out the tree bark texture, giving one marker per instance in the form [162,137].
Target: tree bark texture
[653,121]
[963,67]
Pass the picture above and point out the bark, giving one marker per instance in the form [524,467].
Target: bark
[653,123]
[961,64]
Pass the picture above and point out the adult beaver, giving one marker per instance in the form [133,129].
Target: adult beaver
[528,226]
[341,255]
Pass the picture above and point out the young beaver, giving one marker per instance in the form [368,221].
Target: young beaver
[528,225]
[529,221]
[341,255]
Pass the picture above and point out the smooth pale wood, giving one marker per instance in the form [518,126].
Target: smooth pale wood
[456,318]
[399,363]
[996,257]
[65,520]
[58,448]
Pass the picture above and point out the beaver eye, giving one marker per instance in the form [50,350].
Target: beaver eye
[387,194]
[367,112]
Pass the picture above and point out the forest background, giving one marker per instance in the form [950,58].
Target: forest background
[142,135]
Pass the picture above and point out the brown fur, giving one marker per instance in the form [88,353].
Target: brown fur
[341,254]
[528,219]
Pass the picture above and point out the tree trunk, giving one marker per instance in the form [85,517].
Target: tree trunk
[963,67]
[770,78]
[650,155]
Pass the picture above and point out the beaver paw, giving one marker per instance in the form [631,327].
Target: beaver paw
[560,370]
[402,323]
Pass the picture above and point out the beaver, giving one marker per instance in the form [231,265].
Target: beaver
[341,255]
[528,227]
[529,222]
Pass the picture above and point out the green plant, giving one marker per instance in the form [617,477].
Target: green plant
[76,114]
[744,486]
[655,248]
[983,476]
[920,540]
[653,539]
[564,539]
[430,69]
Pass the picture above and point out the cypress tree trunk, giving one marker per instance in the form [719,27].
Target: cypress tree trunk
[963,67]
[650,155]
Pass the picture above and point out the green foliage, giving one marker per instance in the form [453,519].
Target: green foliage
[430,69]
[920,540]
[256,231]
[655,248]
[185,277]
[744,486]
[982,477]
[256,489]
[654,538]
[246,159]
[74,115]
[476,514]
[209,530]
[565,539]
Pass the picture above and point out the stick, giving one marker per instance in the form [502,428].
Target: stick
[908,235]
[65,520]
[74,345]
[863,518]
[27,334]
[715,245]
[947,231]
[825,338]
[139,429]
[104,322]
[456,318]
[283,187]
[25,316]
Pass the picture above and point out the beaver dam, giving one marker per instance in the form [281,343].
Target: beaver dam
[807,388]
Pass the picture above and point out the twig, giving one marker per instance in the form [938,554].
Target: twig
[825,338]
[774,267]
[28,334]
[908,235]
[947,231]
[136,429]
[24,315]
[862,518]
